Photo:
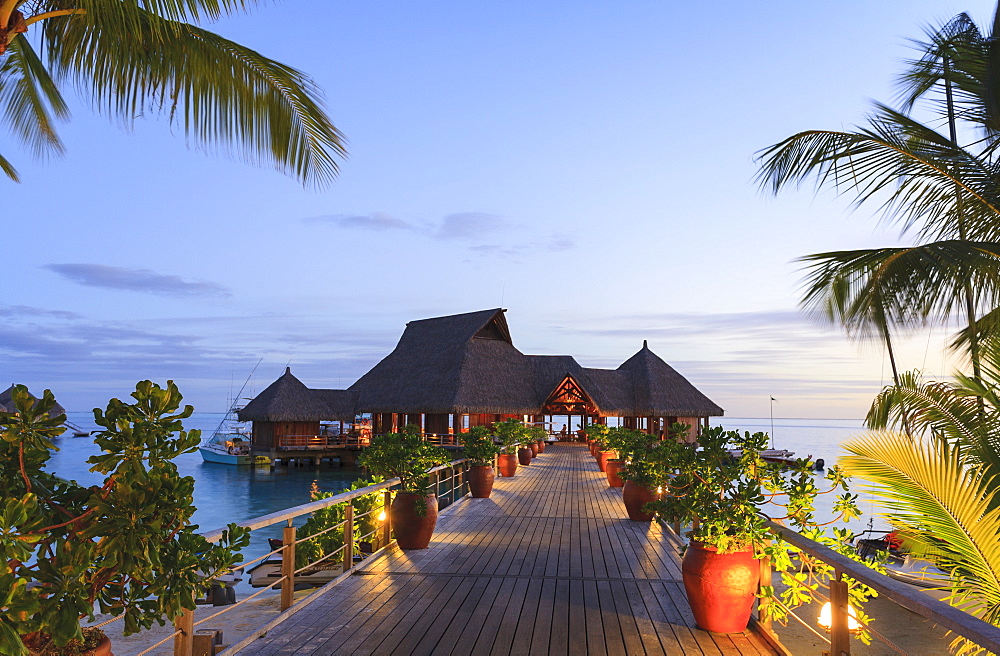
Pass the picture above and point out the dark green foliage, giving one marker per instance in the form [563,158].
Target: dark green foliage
[365,522]
[479,446]
[405,456]
[511,433]
[127,546]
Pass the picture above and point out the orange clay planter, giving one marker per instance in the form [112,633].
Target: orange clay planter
[613,469]
[720,587]
[524,456]
[507,464]
[541,446]
[534,449]
[412,530]
[635,497]
[603,457]
[481,481]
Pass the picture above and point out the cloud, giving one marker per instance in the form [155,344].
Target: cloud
[378,221]
[482,232]
[136,280]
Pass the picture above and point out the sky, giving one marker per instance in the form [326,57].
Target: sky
[589,166]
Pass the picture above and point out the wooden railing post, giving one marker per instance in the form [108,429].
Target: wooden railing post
[840,637]
[453,484]
[288,566]
[348,536]
[184,641]
[387,524]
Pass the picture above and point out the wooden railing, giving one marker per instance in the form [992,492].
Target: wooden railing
[449,483]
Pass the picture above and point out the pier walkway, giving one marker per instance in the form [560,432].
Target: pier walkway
[549,565]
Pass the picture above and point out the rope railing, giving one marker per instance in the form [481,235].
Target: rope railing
[184,624]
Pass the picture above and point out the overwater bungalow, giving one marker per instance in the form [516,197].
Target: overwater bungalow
[450,373]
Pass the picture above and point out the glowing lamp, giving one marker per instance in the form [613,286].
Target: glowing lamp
[826,617]
[382,516]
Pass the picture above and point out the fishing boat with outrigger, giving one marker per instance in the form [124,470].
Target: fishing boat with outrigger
[230,443]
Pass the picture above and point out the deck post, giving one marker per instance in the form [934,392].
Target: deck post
[184,641]
[288,566]
[840,637]
[348,536]
[387,524]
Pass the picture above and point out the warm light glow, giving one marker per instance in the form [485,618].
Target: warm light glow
[659,489]
[826,617]
[382,516]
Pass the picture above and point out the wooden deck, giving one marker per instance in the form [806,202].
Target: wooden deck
[549,565]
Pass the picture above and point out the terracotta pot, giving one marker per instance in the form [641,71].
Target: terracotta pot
[603,457]
[413,531]
[635,497]
[541,446]
[481,481]
[592,445]
[720,587]
[613,468]
[524,456]
[534,449]
[507,464]
[102,649]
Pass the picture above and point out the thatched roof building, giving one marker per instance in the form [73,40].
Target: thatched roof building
[7,403]
[447,373]
[467,364]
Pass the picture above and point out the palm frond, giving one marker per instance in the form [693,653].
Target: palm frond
[915,175]
[30,99]
[8,169]
[228,98]
[947,510]
[902,286]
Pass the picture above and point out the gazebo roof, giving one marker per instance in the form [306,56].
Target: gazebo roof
[7,403]
[288,399]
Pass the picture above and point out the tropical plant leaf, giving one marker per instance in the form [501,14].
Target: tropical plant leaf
[228,98]
[946,510]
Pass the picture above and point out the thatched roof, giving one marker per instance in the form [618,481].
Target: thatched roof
[288,399]
[467,364]
[7,403]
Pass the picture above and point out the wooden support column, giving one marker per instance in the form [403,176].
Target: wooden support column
[288,566]
[387,524]
[348,536]
[184,641]
[840,636]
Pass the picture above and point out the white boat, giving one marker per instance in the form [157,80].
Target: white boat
[230,445]
[231,442]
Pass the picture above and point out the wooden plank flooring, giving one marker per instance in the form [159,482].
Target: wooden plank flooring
[549,564]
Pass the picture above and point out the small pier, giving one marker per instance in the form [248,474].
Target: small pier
[549,565]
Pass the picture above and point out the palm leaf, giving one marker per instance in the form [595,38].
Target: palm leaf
[228,98]
[30,99]
[946,510]
[916,175]
[902,286]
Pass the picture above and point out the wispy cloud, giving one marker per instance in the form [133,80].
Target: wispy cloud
[482,232]
[378,221]
[136,280]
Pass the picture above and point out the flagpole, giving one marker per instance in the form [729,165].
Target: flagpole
[772,422]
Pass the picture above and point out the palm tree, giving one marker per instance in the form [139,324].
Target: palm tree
[145,57]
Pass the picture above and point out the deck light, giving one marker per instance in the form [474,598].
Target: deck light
[382,516]
[826,617]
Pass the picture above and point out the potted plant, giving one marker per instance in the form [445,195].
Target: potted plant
[722,482]
[408,457]
[480,449]
[538,434]
[125,547]
[595,433]
[622,441]
[513,437]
